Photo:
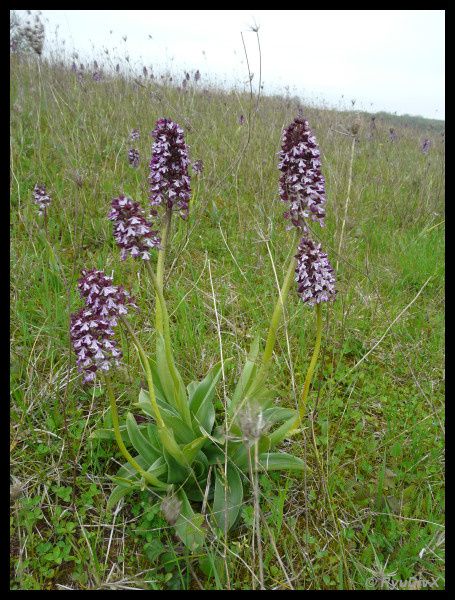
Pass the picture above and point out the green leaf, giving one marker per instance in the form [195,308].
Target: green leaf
[228,496]
[108,434]
[275,414]
[171,446]
[280,461]
[175,391]
[139,441]
[286,429]
[117,494]
[176,472]
[190,450]
[188,526]
[201,400]
[171,419]
[246,377]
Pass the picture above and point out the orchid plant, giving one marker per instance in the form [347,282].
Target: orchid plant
[183,452]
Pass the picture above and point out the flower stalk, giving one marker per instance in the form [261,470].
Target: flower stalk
[165,234]
[118,437]
[311,368]
[148,374]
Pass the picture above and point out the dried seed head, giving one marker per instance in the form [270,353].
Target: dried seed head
[171,506]
[252,423]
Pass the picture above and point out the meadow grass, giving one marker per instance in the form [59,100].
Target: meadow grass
[372,509]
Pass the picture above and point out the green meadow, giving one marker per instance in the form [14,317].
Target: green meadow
[369,512]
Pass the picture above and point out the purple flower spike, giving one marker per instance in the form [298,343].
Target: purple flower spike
[135,134]
[241,120]
[102,298]
[132,232]
[198,166]
[91,327]
[314,274]
[426,145]
[169,181]
[133,157]
[41,197]
[302,184]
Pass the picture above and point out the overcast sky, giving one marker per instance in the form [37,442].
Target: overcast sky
[385,60]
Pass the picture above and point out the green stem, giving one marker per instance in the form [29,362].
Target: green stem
[167,339]
[148,373]
[274,323]
[160,268]
[118,437]
[310,372]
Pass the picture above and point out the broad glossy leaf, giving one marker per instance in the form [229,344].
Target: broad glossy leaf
[285,430]
[139,441]
[189,526]
[280,461]
[228,496]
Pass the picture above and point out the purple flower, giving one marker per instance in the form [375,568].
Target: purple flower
[302,184]
[91,327]
[169,181]
[426,145]
[314,274]
[133,157]
[241,120]
[392,135]
[197,166]
[132,232]
[104,299]
[135,134]
[97,76]
[144,70]
[197,75]
[41,197]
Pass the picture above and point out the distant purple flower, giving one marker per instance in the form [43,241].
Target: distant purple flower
[133,157]
[302,184]
[314,274]
[198,166]
[392,135]
[117,67]
[144,70]
[241,120]
[41,197]
[132,232]
[169,181]
[426,145]
[184,83]
[187,76]
[91,327]
[74,67]
[97,76]
[135,134]
[197,75]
